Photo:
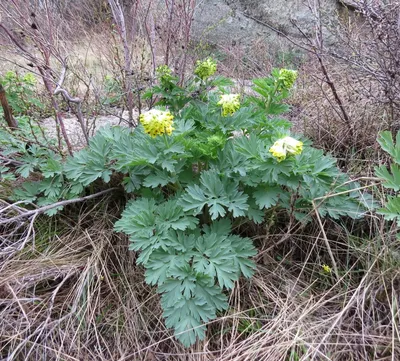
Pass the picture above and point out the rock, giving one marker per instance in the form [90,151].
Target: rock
[243,21]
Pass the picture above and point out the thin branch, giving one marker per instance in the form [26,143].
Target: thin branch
[43,209]
[78,101]
[10,161]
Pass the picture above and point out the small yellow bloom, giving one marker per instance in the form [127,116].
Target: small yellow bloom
[293,146]
[157,122]
[278,150]
[205,69]
[326,268]
[286,146]
[230,104]
[288,77]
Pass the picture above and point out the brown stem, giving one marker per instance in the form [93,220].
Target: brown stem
[171,13]
[59,119]
[119,18]
[70,99]
[12,123]
[338,100]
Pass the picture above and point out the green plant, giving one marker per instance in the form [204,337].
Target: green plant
[195,174]
[249,323]
[114,93]
[391,179]
[21,93]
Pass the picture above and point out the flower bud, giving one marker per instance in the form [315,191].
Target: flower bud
[205,69]
[230,104]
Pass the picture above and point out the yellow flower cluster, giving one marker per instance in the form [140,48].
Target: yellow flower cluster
[288,77]
[326,268]
[286,146]
[229,103]
[206,68]
[157,122]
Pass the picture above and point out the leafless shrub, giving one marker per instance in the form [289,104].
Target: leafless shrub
[355,93]
[370,45]
[37,37]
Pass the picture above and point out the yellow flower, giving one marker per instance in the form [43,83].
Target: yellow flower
[288,77]
[157,122]
[278,150]
[286,146]
[326,268]
[293,146]
[230,103]
[204,69]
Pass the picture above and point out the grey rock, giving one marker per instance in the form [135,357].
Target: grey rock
[241,22]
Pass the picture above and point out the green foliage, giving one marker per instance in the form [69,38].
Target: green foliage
[249,324]
[21,93]
[114,93]
[192,189]
[390,177]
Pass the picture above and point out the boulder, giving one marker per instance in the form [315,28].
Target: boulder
[240,22]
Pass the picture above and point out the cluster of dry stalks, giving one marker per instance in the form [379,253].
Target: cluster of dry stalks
[73,292]
[354,95]
[125,42]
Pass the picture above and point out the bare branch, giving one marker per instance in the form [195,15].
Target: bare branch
[36,212]
[60,90]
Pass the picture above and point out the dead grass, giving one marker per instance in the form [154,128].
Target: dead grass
[319,117]
[74,293]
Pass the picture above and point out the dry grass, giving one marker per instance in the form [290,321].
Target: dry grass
[74,293]
[319,117]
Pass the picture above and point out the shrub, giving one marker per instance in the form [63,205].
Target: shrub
[195,170]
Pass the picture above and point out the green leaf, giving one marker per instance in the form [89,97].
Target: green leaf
[216,259]
[217,194]
[25,169]
[51,187]
[275,172]
[149,225]
[213,295]
[221,81]
[188,302]
[28,192]
[163,265]
[267,197]
[244,249]
[249,146]
[52,167]
[186,316]
[385,139]
[183,127]
[236,200]
[392,210]
[90,164]
[159,178]
[254,214]
[194,199]
[391,181]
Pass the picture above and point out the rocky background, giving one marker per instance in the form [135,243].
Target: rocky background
[230,23]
